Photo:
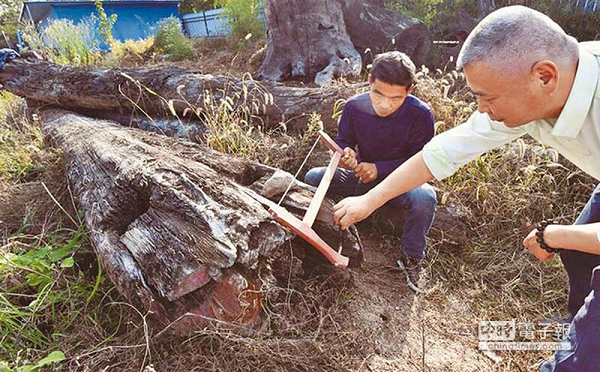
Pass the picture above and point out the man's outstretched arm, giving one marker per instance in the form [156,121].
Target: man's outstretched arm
[409,175]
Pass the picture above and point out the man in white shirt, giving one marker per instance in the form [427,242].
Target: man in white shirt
[529,77]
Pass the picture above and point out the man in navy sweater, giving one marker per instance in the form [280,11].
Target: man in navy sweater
[378,131]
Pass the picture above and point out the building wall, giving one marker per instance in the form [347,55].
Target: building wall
[134,22]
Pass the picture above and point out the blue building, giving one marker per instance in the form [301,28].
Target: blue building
[135,19]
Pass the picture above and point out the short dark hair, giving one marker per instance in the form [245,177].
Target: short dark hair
[394,68]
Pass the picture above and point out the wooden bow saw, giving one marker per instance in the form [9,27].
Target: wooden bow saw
[304,228]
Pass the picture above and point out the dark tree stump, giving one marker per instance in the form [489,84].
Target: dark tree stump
[373,27]
[317,40]
[307,41]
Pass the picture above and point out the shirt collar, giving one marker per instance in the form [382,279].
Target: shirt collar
[578,104]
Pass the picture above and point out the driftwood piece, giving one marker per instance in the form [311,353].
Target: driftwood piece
[169,219]
[163,91]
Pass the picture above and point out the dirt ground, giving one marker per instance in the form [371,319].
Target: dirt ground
[431,331]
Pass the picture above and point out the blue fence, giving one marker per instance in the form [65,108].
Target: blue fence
[588,5]
[212,23]
[209,23]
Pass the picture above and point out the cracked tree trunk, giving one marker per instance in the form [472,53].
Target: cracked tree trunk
[168,92]
[308,41]
[171,221]
[313,40]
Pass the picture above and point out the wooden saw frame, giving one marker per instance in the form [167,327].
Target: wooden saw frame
[304,228]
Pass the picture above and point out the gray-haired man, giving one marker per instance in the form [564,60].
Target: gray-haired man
[529,77]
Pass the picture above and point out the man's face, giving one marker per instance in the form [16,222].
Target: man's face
[513,100]
[387,98]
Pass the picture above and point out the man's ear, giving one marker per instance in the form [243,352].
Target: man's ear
[547,73]
[370,79]
[410,89]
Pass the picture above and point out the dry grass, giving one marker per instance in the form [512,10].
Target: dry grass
[131,53]
[303,326]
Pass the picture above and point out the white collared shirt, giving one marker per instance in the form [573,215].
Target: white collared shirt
[576,133]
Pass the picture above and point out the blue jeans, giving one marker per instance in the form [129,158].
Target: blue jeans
[583,270]
[579,265]
[584,337]
[419,204]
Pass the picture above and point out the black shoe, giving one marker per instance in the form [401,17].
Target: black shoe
[416,277]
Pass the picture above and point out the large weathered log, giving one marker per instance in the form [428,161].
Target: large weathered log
[170,220]
[165,91]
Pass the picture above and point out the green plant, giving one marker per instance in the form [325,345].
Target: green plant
[9,17]
[20,140]
[442,15]
[52,358]
[106,23]
[425,10]
[34,290]
[194,6]
[66,42]
[243,17]
[571,17]
[130,52]
[171,41]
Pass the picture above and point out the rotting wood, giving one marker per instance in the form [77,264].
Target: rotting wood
[168,220]
[165,91]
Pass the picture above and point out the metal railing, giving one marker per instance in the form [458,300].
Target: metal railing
[209,23]
[212,23]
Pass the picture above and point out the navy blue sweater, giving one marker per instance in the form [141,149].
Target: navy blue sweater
[387,142]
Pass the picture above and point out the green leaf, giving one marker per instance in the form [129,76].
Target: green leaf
[4,367]
[68,262]
[53,357]
[34,279]
[61,253]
